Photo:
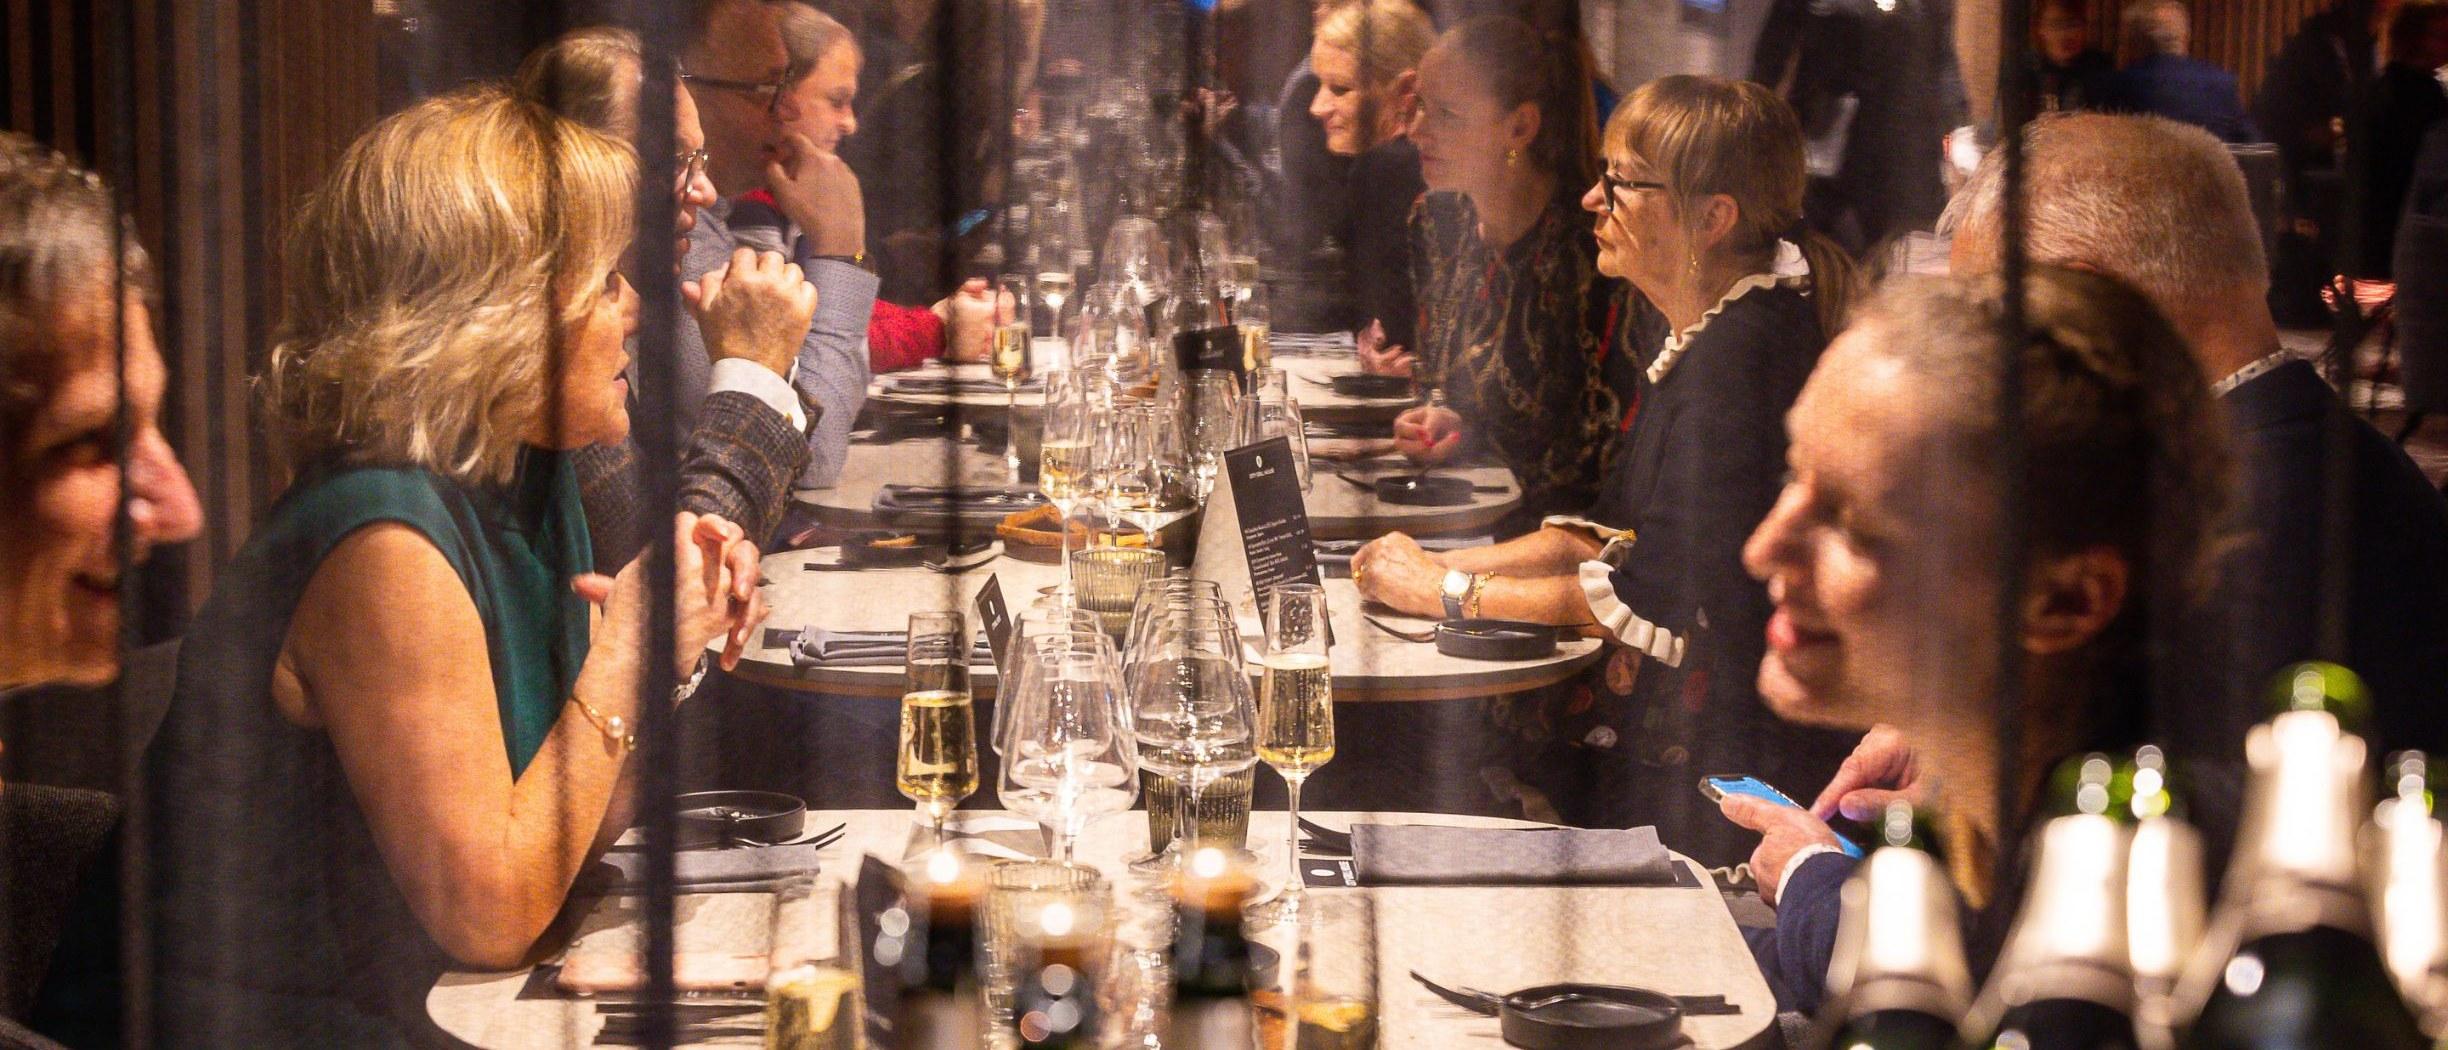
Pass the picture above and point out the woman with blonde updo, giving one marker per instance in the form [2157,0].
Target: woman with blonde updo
[1366,55]
[399,729]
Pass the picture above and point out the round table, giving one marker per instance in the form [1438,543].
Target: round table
[1338,508]
[1676,939]
[1369,664]
[1312,377]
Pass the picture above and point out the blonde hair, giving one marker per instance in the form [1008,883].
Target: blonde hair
[1388,38]
[589,75]
[1706,136]
[430,278]
[2158,204]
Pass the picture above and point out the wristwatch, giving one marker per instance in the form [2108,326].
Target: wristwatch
[1457,586]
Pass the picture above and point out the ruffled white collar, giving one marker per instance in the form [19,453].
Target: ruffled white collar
[1790,271]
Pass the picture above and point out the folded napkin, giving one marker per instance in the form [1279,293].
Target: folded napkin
[818,645]
[624,871]
[1299,344]
[1412,854]
[983,504]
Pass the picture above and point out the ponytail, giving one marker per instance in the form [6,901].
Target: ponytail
[1551,69]
[1835,281]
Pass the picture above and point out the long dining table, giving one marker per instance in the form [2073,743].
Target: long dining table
[1679,939]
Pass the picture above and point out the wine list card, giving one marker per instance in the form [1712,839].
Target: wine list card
[1215,349]
[996,618]
[1255,534]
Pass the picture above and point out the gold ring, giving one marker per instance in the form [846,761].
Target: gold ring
[1359,580]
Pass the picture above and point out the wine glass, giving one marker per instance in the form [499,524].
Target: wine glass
[1050,616]
[1214,415]
[1264,416]
[1066,465]
[1073,757]
[1140,460]
[1295,714]
[1323,992]
[1251,319]
[1010,362]
[1196,722]
[1054,276]
[937,763]
[1135,257]
[1214,252]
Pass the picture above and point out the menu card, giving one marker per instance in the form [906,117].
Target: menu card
[1255,533]
[996,618]
[1216,349]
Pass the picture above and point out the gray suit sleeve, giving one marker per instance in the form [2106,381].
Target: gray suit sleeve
[833,373]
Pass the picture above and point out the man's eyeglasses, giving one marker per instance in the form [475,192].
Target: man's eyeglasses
[768,92]
[690,165]
[1616,184]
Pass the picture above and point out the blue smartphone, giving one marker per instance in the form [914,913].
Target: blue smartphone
[1718,786]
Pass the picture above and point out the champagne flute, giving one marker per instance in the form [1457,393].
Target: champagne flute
[937,763]
[1074,758]
[1296,716]
[1215,428]
[1010,362]
[1251,319]
[1055,278]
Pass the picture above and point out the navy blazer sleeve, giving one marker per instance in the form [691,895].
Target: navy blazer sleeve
[1794,955]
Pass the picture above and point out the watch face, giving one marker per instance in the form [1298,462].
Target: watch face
[1457,583]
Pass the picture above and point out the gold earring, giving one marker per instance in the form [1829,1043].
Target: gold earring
[1695,264]
[1512,157]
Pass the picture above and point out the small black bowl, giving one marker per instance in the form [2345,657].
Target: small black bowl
[722,819]
[1602,1016]
[1424,490]
[1363,384]
[1495,639]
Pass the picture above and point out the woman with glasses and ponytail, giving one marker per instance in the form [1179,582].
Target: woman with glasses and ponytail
[1698,207]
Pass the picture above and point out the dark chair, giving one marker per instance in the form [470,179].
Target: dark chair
[2422,317]
[2265,185]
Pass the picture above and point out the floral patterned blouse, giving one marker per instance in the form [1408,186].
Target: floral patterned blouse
[1511,340]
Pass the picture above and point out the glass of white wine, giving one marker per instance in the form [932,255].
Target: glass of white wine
[1010,361]
[1295,716]
[1054,284]
[937,763]
[1066,465]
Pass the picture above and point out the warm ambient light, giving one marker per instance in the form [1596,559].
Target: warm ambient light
[1207,863]
[944,868]
[1056,920]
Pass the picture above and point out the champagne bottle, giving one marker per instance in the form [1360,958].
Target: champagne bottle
[1211,958]
[2065,978]
[1898,976]
[2413,923]
[941,1005]
[2164,909]
[2289,961]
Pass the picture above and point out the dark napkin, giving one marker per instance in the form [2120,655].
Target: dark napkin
[1426,855]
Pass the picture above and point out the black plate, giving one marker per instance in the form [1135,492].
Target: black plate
[1495,639]
[1362,384]
[1601,1015]
[1424,490]
[724,818]
[864,550]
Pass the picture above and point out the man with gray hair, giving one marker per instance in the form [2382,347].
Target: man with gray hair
[2162,206]
[2164,80]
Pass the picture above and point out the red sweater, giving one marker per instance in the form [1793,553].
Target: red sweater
[898,337]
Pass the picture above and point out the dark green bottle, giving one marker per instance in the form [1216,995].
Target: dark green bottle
[2413,932]
[2290,962]
[1211,964]
[941,1006]
[2065,979]
[1898,979]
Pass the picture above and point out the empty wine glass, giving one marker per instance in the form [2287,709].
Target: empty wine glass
[1049,616]
[1135,257]
[1196,723]
[1296,731]
[1213,409]
[1264,417]
[1073,757]
[1066,470]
